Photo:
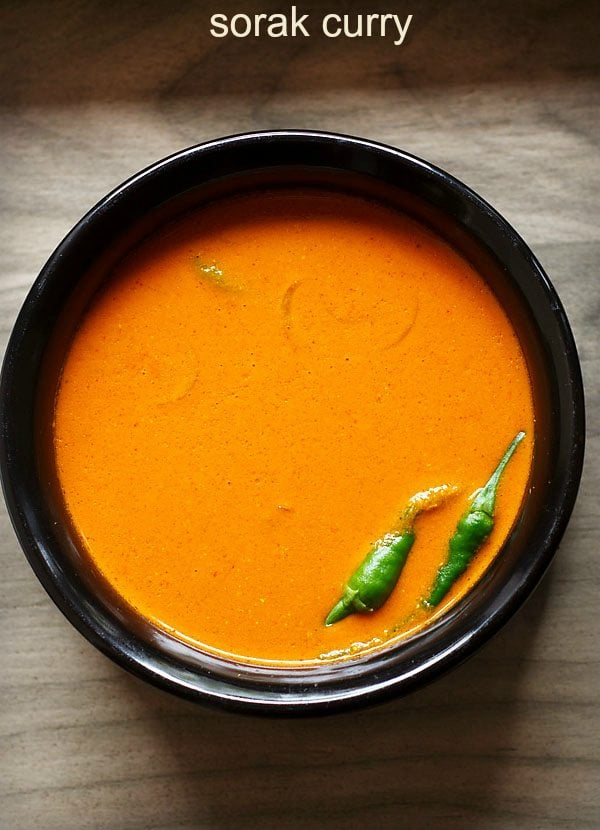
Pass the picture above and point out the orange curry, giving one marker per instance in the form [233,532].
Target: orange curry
[252,398]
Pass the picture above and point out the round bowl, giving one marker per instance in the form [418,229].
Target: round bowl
[227,166]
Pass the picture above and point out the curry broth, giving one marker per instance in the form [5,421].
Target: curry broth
[253,397]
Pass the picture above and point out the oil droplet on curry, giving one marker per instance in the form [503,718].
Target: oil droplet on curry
[252,398]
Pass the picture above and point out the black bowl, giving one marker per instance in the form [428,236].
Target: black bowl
[226,166]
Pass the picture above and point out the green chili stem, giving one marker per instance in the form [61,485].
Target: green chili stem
[485,499]
[424,500]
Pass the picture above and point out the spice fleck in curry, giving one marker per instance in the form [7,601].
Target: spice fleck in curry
[253,397]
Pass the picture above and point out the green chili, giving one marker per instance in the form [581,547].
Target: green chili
[472,530]
[375,578]
[212,271]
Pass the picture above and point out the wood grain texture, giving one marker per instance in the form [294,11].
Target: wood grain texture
[507,99]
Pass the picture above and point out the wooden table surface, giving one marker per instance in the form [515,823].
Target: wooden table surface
[506,96]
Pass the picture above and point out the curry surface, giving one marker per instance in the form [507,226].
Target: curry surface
[253,397]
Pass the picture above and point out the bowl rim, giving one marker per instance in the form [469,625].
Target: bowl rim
[292,692]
